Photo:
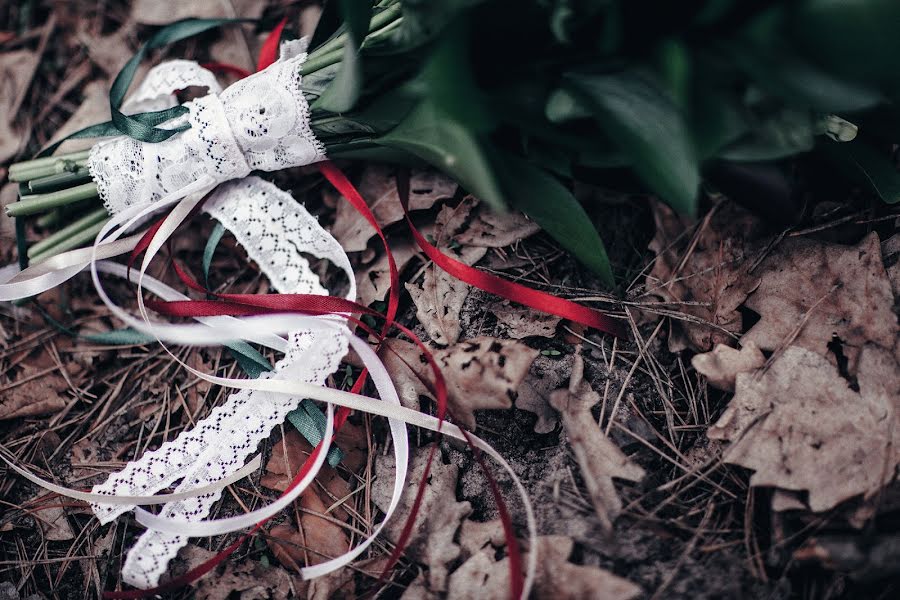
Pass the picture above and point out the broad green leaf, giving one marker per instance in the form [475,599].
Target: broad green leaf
[866,165]
[431,135]
[344,90]
[563,105]
[773,136]
[649,128]
[543,198]
[423,20]
[858,38]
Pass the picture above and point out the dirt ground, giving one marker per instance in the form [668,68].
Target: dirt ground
[691,527]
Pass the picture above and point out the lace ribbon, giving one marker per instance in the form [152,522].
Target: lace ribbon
[260,122]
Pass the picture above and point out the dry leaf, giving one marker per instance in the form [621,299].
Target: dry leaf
[598,457]
[483,578]
[111,52]
[338,585]
[379,189]
[890,251]
[703,274]
[490,229]
[521,322]
[547,375]
[800,426]
[38,396]
[150,12]
[16,70]
[440,298]
[316,541]
[830,290]
[240,580]
[94,109]
[475,535]
[373,282]
[483,373]
[54,523]
[9,193]
[438,518]
[722,365]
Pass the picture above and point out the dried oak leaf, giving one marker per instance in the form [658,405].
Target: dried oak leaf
[16,70]
[547,375]
[522,322]
[800,426]
[440,298]
[238,580]
[439,517]
[482,373]
[379,189]
[483,578]
[54,523]
[829,290]
[722,365]
[599,459]
[703,274]
[374,281]
[315,541]
[38,396]
[490,229]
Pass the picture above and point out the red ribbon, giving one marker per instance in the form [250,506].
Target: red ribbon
[542,301]
[269,51]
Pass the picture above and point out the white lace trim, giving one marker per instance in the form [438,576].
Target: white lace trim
[275,231]
[260,122]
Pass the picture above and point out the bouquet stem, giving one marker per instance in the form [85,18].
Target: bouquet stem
[37,203]
[81,232]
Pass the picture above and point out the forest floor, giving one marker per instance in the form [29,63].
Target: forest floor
[667,464]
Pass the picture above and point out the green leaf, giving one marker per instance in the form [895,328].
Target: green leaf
[344,90]
[773,136]
[424,20]
[859,38]
[433,136]
[543,198]
[867,166]
[649,128]
[563,105]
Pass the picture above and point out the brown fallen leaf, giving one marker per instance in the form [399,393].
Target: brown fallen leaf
[827,291]
[315,541]
[291,451]
[476,535]
[483,373]
[490,229]
[890,251]
[440,298]
[484,578]
[238,579]
[547,375]
[111,52]
[54,523]
[39,395]
[800,426]
[722,365]
[704,273]
[339,585]
[16,70]
[522,322]
[374,281]
[379,189]
[94,109]
[432,541]
[599,459]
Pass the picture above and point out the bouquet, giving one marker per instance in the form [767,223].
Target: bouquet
[517,99]
[513,100]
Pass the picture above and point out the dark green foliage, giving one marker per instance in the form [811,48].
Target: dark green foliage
[514,98]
